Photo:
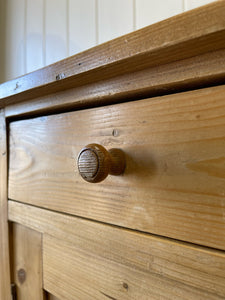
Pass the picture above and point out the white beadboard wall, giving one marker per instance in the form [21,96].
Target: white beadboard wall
[41,32]
[2,37]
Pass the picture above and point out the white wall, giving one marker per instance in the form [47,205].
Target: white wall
[2,37]
[40,32]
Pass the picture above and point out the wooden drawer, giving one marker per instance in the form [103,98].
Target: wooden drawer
[174,183]
[87,260]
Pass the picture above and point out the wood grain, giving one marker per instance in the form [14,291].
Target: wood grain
[90,260]
[186,35]
[4,241]
[52,297]
[173,185]
[191,73]
[27,263]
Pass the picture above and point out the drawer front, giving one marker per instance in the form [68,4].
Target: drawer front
[174,182]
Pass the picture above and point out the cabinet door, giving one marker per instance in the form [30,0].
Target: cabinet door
[26,263]
[85,260]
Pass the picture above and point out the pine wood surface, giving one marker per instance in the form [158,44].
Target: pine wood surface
[88,260]
[186,35]
[27,256]
[4,242]
[194,72]
[174,182]
[52,297]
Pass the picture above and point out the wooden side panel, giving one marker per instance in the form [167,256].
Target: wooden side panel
[4,242]
[27,262]
[89,260]
[173,185]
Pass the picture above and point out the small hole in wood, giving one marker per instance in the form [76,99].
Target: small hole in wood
[21,274]
[115,132]
[125,285]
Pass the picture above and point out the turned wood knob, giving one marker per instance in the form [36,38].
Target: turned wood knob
[95,162]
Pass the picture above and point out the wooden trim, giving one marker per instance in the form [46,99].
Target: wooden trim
[186,35]
[195,72]
[4,243]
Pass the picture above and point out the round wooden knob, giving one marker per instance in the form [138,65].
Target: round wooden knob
[95,162]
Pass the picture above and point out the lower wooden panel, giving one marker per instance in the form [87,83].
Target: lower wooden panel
[73,272]
[88,260]
[26,259]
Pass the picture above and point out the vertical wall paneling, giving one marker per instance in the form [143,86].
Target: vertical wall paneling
[56,30]
[2,40]
[82,25]
[115,18]
[191,4]
[34,35]
[134,15]
[151,11]
[15,38]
